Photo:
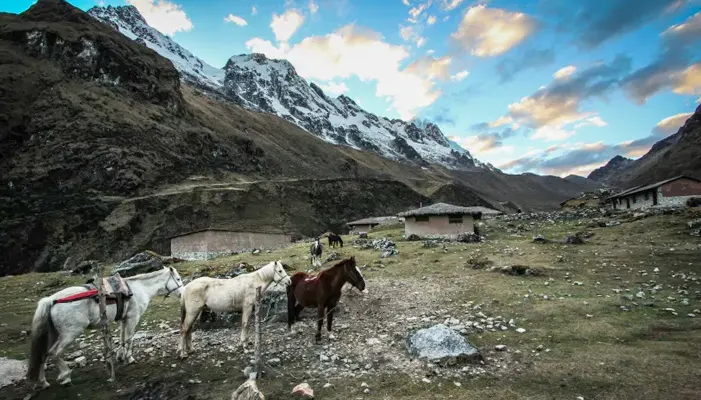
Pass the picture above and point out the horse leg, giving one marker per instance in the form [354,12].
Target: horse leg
[186,329]
[245,317]
[319,321]
[42,383]
[329,316]
[130,328]
[65,338]
[121,352]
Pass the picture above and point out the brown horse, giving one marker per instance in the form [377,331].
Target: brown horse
[321,291]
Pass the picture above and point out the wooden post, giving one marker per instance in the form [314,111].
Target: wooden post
[104,323]
[258,355]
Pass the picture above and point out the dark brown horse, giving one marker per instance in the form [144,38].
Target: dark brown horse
[335,240]
[321,291]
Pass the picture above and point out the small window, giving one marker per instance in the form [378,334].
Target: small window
[421,218]
[455,219]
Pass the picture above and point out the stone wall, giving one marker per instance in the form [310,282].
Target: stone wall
[437,226]
[360,228]
[210,244]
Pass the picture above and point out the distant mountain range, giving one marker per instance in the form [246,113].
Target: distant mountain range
[258,83]
[678,154]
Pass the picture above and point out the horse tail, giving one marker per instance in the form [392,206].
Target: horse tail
[43,330]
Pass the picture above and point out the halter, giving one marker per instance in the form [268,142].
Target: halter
[172,276]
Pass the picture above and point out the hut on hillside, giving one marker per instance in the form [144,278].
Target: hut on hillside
[443,220]
[367,224]
[210,243]
[673,192]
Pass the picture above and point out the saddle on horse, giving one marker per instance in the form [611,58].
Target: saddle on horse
[114,287]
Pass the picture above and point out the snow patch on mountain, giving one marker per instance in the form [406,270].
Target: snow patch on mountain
[256,82]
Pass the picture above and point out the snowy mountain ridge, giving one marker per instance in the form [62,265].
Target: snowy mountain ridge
[255,82]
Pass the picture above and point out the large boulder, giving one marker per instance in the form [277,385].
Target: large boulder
[141,263]
[442,345]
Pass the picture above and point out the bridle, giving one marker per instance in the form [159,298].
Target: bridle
[172,276]
[277,281]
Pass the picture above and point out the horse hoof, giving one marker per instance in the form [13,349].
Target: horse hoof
[65,382]
[41,385]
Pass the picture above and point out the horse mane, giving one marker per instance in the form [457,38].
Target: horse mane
[146,275]
[338,264]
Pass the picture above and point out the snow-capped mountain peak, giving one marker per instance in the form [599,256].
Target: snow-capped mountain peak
[270,85]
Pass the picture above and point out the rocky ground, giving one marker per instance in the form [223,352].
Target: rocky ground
[602,318]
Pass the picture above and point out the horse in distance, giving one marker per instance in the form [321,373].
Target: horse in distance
[237,294]
[322,291]
[315,251]
[61,317]
[335,240]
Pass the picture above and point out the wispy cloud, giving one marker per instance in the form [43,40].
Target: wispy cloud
[459,76]
[235,20]
[508,68]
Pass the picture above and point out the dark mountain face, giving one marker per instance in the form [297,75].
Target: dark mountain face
[105,151]
[677,154]
[615,166]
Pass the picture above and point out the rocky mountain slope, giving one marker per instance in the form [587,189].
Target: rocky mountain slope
[106,152]
[674,155]
[273,86]
[615,166]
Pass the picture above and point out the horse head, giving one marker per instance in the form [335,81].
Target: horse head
[174,282]
[355,277]
[281,275]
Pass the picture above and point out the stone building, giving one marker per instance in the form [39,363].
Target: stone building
[442,220]
[367,224]
[673,192]
[211,243]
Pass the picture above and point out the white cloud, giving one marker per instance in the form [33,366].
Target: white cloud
[487,32]
[313,7]
[406,3]
[565,72]
[334,88]
[410,34]
[459,76]
[449,5]
[671,124]
[592,121]
[236,20]
[344,53]
[285,25]
[431,19]
[254,10]
[165,16]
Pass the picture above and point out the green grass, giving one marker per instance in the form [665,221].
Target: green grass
[596,350]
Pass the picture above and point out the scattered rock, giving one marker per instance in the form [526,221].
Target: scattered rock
[540,239]
[520,270]
[479,262]
[573,239]
[84,267]
[333,256]
[500,347]
[468,237]
[413,237]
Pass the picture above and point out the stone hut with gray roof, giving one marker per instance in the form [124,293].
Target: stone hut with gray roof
[443,220]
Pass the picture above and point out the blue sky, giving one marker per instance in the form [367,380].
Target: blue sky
[546,86]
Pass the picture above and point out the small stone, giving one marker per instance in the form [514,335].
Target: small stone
[327,385]
[274,361]
[500,347]
[426,380]
[366,391]
[520,330]
[458,384]
[363,384]
[373,341]
[303,390]
[81,361]
[692,315]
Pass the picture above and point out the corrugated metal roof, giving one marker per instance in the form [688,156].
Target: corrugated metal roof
[371,221]
[638,189]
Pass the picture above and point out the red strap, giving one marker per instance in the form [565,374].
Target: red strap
[77,296]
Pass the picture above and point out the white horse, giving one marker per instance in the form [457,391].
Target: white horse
[237,294]
[56,326]
[315,251]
